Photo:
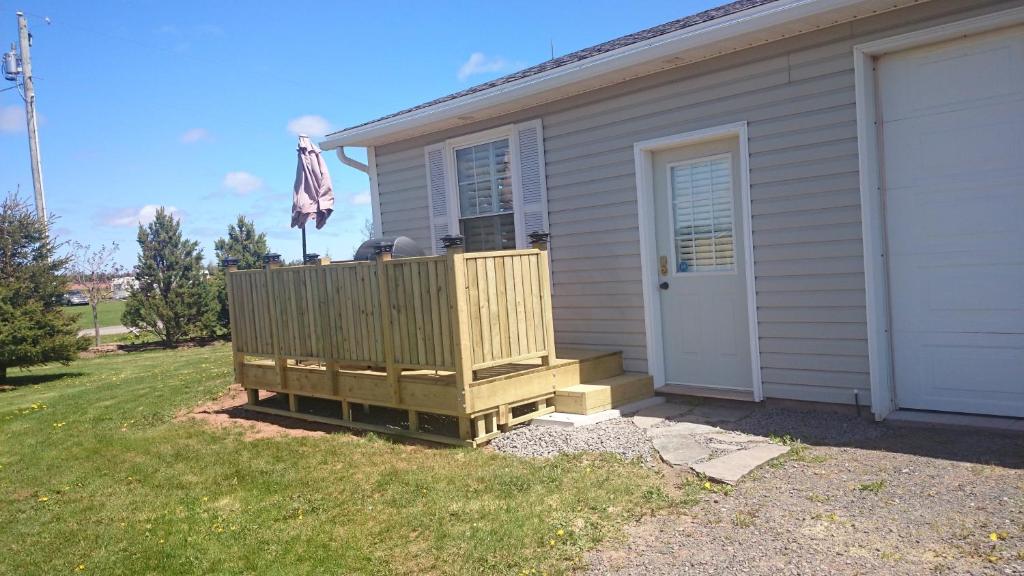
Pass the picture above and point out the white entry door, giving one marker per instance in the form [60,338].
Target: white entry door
[952,125]
[699,221]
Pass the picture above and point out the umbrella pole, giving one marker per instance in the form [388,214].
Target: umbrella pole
[303,243]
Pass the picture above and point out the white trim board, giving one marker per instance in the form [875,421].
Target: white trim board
[371,164]
[883,387]
[642,155]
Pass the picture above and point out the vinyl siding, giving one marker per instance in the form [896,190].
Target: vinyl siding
[797,96]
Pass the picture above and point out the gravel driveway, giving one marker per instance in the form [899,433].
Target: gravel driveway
[863,499]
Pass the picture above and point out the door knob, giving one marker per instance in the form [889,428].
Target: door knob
[663,285]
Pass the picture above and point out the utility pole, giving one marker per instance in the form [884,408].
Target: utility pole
[30,115]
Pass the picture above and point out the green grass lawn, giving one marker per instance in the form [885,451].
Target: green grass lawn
[97,477]
[109,313]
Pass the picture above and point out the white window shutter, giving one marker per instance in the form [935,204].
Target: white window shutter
[437,190]
[532,192]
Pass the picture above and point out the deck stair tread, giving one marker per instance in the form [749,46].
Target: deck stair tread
[604,394]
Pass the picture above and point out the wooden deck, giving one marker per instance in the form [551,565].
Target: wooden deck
[498,398]
[462,336]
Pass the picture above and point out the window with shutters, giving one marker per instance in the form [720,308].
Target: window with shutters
[486,206]
[490,187]
[702,214]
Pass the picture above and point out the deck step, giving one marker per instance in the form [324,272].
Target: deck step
[604,394]
[592,366]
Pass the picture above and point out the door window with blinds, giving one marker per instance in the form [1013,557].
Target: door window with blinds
[486,205]
[701,197]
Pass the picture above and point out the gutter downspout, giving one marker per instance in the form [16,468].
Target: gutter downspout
[371,171]
[351,161]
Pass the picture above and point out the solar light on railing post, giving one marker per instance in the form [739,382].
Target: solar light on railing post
[229,264]
[383,250]
[311,259]
[539,239]
[272,260]
[453,244]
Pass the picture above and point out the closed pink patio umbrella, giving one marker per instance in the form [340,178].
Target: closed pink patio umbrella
[314,195]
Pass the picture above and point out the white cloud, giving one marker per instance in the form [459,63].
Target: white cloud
[360,198]
[311,125]
[12,118]
[242,182]
[480,63]
[193,135]
[136,216]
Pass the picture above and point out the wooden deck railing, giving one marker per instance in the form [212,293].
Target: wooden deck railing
[458,312]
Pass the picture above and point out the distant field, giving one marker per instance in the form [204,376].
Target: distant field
[109,313]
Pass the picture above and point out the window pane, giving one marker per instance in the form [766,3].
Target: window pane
[484,178]
[489,233]
[702,214]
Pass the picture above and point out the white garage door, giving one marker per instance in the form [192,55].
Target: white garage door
[953,176]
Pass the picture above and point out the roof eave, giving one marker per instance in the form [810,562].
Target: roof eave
[420,121]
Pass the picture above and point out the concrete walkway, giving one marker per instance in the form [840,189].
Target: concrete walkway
[686,435]
[105,330]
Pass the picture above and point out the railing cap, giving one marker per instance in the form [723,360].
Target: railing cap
[311,258]
[229,262]
[271,257]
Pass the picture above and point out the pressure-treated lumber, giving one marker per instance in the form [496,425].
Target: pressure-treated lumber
[463,336]
[604,394]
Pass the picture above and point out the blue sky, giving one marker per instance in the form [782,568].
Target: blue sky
[192,105]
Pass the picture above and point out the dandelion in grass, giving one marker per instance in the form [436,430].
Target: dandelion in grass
[80,568]
[560,532]
[42,498]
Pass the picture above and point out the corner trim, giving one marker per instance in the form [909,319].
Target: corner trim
[371,162]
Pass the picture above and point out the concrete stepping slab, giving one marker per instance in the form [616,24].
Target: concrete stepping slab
[677,428]
[715,413]
[655,415]
[731,467]
[564,420]
[734,438]
[723,447]
[680,449]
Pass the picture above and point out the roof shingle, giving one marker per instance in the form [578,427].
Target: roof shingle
[579,55]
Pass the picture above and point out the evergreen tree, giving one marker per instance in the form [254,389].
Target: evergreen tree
[242,243]
[172,300]
[248,246]
[34,329]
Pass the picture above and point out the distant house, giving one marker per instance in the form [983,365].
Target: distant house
[809,200]
[121,286]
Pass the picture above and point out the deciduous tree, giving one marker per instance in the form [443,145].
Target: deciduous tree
[93,269]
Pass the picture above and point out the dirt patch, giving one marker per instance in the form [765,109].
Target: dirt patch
[229,411]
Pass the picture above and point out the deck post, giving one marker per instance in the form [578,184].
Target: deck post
[459,309]
[394,372]
[272,261]
[237,356]
[539,241]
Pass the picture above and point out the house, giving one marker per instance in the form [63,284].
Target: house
[813,200]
